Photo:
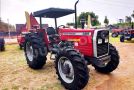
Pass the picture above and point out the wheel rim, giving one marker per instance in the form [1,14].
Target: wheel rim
[66,69]
[29,51]
[114,35]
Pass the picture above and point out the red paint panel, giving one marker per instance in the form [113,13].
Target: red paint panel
[85,45]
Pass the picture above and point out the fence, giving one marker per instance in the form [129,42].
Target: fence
[6,34]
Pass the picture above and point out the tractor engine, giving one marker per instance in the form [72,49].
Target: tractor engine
[91,43]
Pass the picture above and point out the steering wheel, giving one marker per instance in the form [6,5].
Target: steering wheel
[63,26]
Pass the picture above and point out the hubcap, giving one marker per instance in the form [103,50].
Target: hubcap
[66,70]
[29,51]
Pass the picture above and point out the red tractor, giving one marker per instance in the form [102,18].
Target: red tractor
[128,35]
[21,36]
[116,32]
[73,49]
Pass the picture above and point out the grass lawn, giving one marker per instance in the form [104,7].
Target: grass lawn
[113,40]
[16,75]
[117,40]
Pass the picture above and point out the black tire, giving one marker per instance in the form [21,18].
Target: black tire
[81,74]
[113,64]
[39,51]
[3,48]
[114,34]
[122,39]
[129,39]
[21,47]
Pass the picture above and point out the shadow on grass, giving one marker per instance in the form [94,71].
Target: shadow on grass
[48,67]
[132,41]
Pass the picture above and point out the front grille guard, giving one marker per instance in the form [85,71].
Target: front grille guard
[99,51]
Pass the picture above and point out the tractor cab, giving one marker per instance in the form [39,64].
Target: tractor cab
[52,34]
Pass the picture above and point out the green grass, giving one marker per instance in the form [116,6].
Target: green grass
[117,40]
[113,40]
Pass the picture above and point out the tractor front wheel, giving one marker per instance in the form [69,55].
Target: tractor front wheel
[129,39]
[122,39]
[35,51]
[3,48]
[71,69]
[112,64]
[114,35]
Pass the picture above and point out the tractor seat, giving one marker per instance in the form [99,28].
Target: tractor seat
[52,35]
[50,31]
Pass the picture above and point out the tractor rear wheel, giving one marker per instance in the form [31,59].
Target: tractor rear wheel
[71,69]
[112,64]
[35,51]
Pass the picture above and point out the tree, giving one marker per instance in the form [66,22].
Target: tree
[132,14]
[132,21]
[106,21]
[94,18]
[128,19]
[120,20]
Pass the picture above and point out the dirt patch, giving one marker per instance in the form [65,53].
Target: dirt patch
[16,75]
[122,77]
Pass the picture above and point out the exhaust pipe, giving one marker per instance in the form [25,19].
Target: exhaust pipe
[76,14]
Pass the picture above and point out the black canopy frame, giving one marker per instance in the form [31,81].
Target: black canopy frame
[52,13]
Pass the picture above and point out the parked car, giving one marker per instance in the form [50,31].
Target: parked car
[2,44]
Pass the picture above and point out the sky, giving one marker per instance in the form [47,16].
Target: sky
[14,10]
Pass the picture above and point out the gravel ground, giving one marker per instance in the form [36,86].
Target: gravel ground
[16,75]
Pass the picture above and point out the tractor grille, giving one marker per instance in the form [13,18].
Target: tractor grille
[102,49]
[102,42]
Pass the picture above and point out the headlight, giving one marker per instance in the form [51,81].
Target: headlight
[99,41]
[106,40]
